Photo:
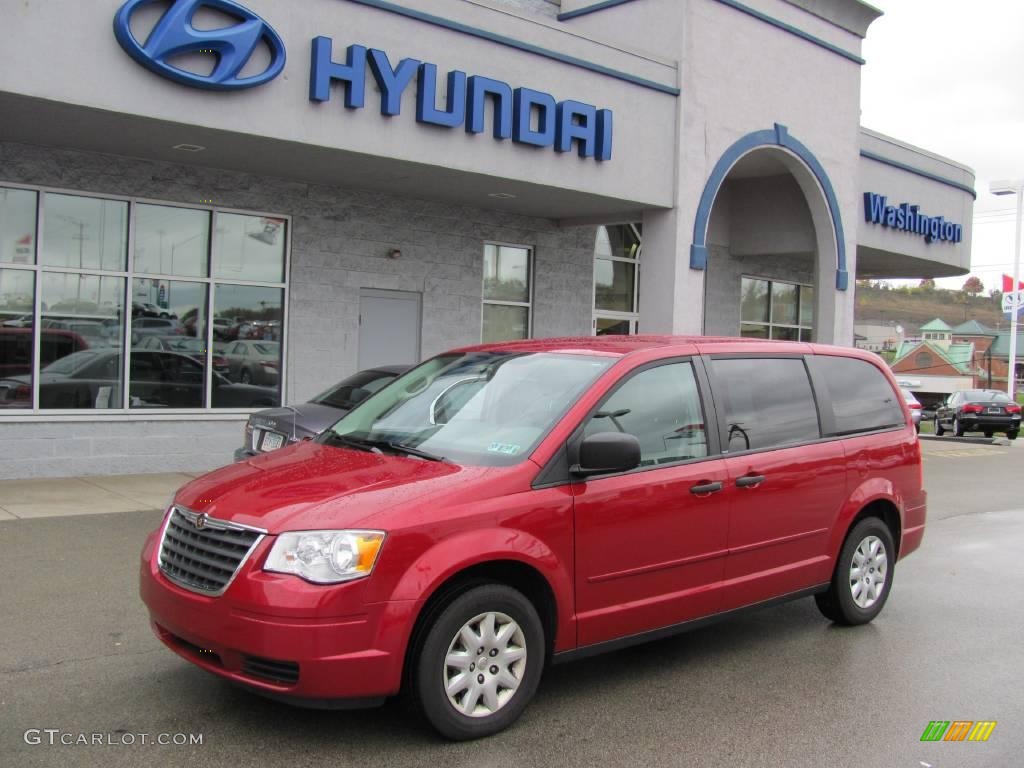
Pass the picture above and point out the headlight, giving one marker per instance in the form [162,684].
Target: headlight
[325,557]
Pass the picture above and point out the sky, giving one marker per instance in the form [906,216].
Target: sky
[948,76]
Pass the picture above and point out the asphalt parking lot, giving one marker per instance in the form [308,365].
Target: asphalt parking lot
[780,687]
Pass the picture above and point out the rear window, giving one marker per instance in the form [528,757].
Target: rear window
[986,396]
[768,402]
[862,398]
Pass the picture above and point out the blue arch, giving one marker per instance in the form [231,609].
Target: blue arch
[774,137]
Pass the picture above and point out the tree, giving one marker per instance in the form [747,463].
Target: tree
[973,286]
[927,284]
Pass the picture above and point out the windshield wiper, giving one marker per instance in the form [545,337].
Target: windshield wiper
[378,446]
[402,447]
[362,445]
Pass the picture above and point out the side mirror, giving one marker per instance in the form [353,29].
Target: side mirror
[607,452]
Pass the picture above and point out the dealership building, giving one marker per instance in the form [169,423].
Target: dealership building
[208,206]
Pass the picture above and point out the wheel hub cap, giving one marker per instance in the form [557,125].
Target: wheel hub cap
[485,664]
[868,571]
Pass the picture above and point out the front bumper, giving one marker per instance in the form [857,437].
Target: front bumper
[282,637]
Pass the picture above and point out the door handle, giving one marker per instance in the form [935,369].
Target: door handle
[749,481]
[705,488]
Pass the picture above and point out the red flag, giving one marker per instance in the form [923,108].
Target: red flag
[1008,284]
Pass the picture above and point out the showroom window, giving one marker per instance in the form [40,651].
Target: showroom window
[507,292]
[772,309]
[112,304]
[616,279]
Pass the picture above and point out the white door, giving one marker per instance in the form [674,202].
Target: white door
[389,328]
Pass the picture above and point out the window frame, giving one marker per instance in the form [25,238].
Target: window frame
[527,305]
[633,318]
[826,413]
[822,402]
[125,412]
[799,327]
[816,397]
[556,472]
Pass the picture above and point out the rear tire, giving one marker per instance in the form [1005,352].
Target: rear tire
[862,577]
[1012,434]
[938,428]
[988,433]
[958,428]
[509,636]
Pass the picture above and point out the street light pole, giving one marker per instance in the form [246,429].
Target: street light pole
[1013,188]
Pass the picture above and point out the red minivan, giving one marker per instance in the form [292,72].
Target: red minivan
[506,506]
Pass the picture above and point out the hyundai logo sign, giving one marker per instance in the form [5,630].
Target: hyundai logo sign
[174,34]
[524,115]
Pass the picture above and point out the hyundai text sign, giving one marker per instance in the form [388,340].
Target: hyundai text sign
[908,218]
[524,115]
[175,35]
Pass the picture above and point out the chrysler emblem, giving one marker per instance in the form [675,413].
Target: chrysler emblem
[200,522]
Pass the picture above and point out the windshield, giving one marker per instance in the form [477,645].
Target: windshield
[479,408]
[340,395]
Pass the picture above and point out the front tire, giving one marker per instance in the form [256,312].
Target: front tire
[862,577]
[480,662]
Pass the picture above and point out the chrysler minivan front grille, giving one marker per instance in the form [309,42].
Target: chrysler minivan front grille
[203,554]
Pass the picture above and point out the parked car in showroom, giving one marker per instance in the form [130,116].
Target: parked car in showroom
[194,348]
[978,410]
[254,362]
[505,505]
[915,407]
[274,428]
[92,379]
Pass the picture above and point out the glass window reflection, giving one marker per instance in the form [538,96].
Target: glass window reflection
[17,292]
[247,323]
[506,273]
[82,319]
[502,322]
[613,285]
[84,232]
[171,241]
[17,226]
[168,333]
[249,247]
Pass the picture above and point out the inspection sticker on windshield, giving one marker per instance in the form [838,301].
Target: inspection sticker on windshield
[507,448]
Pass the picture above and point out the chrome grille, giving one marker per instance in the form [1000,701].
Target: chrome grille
[203,554]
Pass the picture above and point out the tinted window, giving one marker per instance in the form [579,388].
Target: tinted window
[862,398]
[661,408]
[985,396]
[767,402]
